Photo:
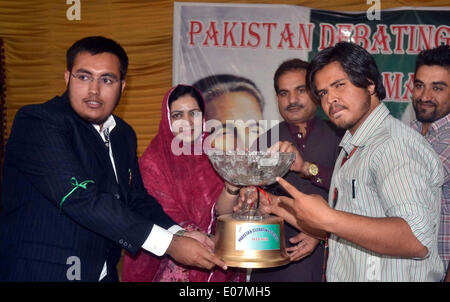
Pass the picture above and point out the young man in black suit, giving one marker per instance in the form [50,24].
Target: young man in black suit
[72,193]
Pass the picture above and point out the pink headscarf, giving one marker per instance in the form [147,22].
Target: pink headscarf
[187,187]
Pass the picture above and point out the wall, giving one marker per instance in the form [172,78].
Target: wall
[37,33]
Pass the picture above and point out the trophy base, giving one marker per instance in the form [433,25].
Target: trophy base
[251,243]
[254,263]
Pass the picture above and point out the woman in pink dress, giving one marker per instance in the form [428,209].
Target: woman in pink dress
[186,186]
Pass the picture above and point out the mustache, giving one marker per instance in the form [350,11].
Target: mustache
[427,102]
[334,106]
[296,106]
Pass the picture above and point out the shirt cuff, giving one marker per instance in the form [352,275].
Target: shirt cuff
[159,239]
[175,228]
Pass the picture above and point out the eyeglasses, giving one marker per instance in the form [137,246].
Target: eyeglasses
[104,80]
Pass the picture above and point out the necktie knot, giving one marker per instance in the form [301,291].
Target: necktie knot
[106,135]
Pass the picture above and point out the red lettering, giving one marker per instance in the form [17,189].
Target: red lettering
[286,36]
[326,35]
[393,88]
[260,239]
[269,29]
[193,31]
[399,31]
[228,33]
[361,36]
[412,40]
[306,38]
[243,31]
[381,40]
[408,87]
[254,34]
[424,41]
[439,37]
[211,34]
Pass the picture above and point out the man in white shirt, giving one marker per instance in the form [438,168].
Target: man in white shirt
[382,214]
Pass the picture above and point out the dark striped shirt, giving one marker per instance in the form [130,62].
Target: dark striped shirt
[438,136]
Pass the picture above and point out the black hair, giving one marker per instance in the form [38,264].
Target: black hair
[217,85]
[97,45]
[357,63]
[286,66]
[436,56]
[182,90]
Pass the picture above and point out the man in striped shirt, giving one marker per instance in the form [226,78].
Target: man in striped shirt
[382,214]
[431,102]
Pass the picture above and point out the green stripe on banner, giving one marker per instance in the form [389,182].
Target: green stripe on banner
[394,40]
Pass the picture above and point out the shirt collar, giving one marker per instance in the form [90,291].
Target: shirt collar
[365,131]
[435,126]
[109,124]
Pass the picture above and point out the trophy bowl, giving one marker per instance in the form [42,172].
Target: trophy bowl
[254,168]
[249,238]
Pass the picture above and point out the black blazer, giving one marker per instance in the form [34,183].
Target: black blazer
[49,151]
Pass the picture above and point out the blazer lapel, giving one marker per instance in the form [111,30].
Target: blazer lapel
[101,151]
[95,143]
[121,158]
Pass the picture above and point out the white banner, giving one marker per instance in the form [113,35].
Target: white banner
[249,41]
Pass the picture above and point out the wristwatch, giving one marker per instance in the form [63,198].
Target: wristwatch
[232,192]
[313,169]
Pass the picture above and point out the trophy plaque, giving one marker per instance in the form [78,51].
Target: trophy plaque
[249,238]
